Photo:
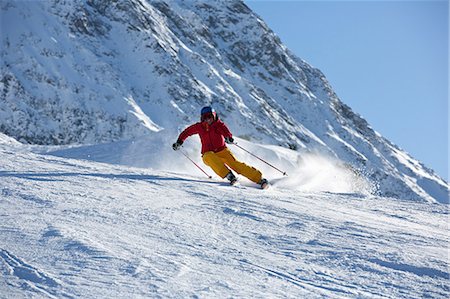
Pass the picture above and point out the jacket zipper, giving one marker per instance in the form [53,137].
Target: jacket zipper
[210,140]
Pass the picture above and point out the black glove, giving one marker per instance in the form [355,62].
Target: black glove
[229,140]
[176,146]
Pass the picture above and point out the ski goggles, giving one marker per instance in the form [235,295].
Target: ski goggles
[207,116]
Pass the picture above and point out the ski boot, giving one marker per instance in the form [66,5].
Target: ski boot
[264,183]
[232,178]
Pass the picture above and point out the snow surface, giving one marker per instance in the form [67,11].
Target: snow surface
[81,228]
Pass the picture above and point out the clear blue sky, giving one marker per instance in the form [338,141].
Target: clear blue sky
[387,60]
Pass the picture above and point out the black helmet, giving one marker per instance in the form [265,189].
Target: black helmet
[207,111]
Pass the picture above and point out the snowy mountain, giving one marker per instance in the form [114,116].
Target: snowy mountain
[82,229]
[90,71]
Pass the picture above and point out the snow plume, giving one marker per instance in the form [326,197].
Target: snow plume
[319,173]
[306,171]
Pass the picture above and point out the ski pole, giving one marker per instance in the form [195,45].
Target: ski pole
[283,172]
[195,164]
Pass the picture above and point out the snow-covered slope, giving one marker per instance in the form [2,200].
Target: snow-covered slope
[84,229]
[90,71]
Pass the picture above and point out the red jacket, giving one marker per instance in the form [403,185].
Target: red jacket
[211,136]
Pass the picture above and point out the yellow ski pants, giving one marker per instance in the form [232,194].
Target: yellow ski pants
[220,160]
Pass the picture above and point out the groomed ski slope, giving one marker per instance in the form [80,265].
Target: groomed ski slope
[82,229]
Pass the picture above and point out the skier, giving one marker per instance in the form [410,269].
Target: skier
[213,135]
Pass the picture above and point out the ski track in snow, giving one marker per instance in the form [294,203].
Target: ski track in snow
[73,228]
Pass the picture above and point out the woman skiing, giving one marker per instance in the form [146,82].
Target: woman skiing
[214,135]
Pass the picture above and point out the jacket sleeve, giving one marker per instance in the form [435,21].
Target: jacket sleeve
[189,131]
[224,129]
